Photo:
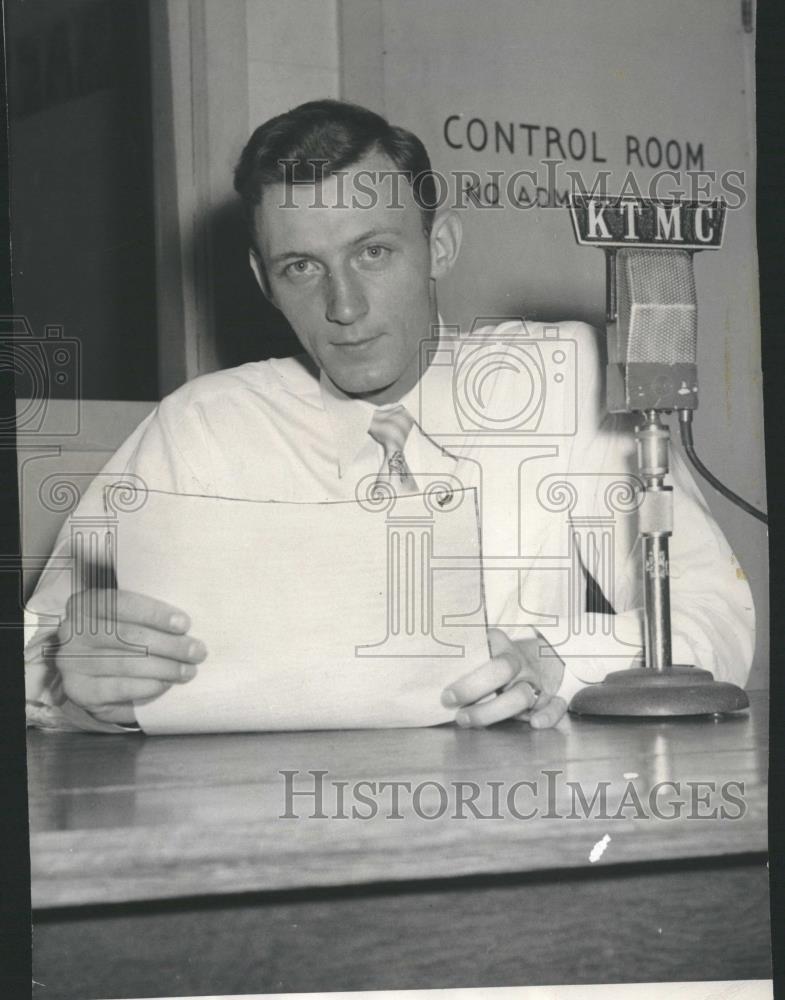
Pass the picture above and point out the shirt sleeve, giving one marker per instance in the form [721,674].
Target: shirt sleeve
[167,451]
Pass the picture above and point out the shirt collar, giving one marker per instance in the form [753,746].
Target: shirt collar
[350,418]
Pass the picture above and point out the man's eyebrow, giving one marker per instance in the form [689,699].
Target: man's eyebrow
[288,255]
[379,231]
[296,254]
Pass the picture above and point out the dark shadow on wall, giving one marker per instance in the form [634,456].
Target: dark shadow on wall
[82,222]
[248,327]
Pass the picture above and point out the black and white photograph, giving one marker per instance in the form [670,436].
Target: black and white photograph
[393,554]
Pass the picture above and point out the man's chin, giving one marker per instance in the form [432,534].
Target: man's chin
[361,384]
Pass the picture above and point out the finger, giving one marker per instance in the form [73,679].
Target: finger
[507,705]
[121,713]
[144,610]
[184,648]
[120,640]
[126,606]
[107,665]
[120,689]
[531,674]
[480,682]
[128,640]
[498,642]
[90,610]
[536,666]
[540,664]
[549,714]
[95,693]
[542,700]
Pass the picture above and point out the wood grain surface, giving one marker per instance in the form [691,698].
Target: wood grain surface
[125,818]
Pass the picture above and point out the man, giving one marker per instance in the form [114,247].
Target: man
[356,279]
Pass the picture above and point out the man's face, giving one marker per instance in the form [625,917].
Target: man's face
[354,282]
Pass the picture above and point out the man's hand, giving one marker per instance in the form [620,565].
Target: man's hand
[524,682]
[94,651]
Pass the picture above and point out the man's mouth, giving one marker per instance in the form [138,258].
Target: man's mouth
[355,345]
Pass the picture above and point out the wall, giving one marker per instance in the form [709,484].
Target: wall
[292,55]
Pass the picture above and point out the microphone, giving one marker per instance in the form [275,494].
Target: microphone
[653,346]
[651,304]
[652,326]
[653,340]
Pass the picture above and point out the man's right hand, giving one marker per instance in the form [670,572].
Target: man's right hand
[94,651]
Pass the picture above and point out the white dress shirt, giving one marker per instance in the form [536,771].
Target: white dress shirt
[555,476]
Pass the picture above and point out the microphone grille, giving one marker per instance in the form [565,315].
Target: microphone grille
[657,306]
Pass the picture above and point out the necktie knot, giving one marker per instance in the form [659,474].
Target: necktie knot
[390,428]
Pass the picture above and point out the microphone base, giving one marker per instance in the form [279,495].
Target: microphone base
[676,691]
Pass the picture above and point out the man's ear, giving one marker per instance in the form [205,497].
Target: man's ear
[257,266]
[445,241]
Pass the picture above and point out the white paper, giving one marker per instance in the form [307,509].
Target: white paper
[296,605]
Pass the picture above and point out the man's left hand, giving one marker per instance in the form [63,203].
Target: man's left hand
[523,681]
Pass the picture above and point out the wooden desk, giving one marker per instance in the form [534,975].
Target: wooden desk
[162,866]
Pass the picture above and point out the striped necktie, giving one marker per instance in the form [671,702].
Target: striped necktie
[390,428]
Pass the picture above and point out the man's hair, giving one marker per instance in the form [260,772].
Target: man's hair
[321,138]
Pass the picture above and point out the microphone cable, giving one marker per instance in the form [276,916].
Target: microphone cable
[685,428]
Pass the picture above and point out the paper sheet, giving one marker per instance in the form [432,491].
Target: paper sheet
[315,615]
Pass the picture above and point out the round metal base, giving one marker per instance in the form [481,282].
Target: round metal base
[677,690]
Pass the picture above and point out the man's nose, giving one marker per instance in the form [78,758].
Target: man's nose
[346,301]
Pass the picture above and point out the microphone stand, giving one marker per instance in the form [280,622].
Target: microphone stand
[660,687]
[655,525]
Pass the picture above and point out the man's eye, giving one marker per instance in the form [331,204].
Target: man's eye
[300,269]
[374,253]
